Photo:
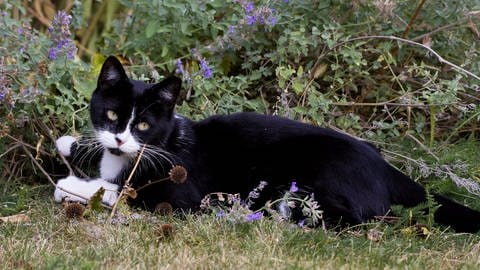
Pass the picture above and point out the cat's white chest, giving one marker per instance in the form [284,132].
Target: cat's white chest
[111,165]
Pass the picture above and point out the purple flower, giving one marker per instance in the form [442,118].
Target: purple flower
[52,54]
[293,187]
[220,214]
[301,223]
[250,19]
[180,68]
[231,29]
[206,70]
[71,54]
[254,216]
[248,7]
[60,35]
[273,20]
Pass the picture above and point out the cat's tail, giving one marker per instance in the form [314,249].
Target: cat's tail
[408,193]
[457,216]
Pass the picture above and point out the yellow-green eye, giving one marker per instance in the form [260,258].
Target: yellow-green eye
[142,126]
[112,115]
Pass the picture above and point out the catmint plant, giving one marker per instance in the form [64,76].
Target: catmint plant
[231,208]
[205,69]
[61,37]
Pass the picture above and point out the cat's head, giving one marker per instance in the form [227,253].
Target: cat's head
[127,114]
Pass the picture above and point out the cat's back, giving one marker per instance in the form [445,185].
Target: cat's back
[250,125]
[257,131]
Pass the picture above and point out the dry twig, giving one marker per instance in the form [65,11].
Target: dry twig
[126,185]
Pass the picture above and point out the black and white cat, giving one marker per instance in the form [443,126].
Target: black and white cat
[349,178]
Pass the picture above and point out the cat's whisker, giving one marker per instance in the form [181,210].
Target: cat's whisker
[87,147]
[88,153]
[163,155]
[154,159]
[160,150]
[150,162]
[146,162]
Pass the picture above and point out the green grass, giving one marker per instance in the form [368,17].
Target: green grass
[51,240]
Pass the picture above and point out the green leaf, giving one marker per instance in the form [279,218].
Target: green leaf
[97,62]
[297,86]
[95,202]
[151,29]
[164,51]
[184,28]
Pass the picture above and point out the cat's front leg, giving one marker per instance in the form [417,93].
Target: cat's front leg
[81,153]
[66,145]
[81,190]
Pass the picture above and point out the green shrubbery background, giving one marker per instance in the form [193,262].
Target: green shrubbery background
[298,59]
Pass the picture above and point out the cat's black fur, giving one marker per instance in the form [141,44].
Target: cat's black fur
[348,177]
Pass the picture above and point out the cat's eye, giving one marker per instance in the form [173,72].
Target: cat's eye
[112,115]
[142,126]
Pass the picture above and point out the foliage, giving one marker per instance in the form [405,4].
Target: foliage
[37,68]
[270,64]
[42,90]
[299,59]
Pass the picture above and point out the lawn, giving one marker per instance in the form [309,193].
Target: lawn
[48,239]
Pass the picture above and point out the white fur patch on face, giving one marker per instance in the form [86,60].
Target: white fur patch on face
[64,145]
[85,190]
[112,165]
[129,144]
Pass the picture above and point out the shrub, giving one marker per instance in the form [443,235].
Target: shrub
[43,89]
[316,61]
[297,58]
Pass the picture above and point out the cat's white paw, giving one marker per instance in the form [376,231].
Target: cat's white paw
[67,187]
[64,145]
[76,189]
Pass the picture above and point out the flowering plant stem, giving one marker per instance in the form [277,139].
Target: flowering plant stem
[152,183]
[127,183]
[316,213]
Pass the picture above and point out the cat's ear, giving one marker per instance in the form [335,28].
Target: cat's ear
[112,73]
[167,90]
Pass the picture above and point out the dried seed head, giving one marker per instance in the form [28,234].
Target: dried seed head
[73,210]
[164,209]
[178,174]
[131,192]
[374,235]
[165,231]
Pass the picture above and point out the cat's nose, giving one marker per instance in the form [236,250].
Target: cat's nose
[119,142]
